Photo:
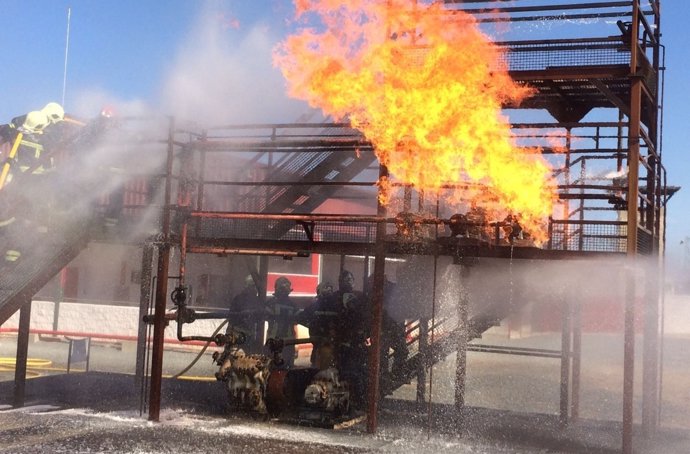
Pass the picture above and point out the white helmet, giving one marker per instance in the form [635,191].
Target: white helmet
[35,122]
[54,112]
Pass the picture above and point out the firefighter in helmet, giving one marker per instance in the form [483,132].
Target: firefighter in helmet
[351,336]
[281,312]
[322,319]
[25,151]
[245,313]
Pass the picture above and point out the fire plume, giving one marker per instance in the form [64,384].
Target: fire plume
[426,88]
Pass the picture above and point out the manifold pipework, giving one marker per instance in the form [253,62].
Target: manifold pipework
[184,314]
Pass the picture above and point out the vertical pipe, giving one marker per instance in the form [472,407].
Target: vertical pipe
[263,292]
[651,354]
[423,351]
[633,169]
[628,361]
[462,340]
[377,310]
[201,175]
[59,296]
[431,359]
[576,362]
[566,203]
[653,318]
[566,334]
[22,354]
[161,288]
[144,304]
[365,278]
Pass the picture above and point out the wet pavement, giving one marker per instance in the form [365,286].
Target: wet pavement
[512,408]
[93,413]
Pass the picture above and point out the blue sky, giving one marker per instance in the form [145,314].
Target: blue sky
[210,60]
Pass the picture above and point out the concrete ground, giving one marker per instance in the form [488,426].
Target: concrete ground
[513,405]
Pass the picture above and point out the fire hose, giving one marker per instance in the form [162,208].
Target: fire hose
[200,354]
[8,364]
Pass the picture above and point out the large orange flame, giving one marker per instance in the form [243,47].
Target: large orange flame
[426,88]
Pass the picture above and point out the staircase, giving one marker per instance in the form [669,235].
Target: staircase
[445,341]
[53,218]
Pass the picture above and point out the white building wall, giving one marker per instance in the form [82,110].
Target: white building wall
[100,319]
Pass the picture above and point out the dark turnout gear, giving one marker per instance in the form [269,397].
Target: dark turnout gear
[346,281]
[281,312]
[393,333]
[352,332]
[245,316]
[321,317]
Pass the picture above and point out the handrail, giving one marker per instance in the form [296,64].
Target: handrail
[10,157]
[525,9]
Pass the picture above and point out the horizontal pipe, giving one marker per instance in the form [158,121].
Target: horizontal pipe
[117,337]
[558,17]
[525,9]
[538,353]
[243,251]
[578,222]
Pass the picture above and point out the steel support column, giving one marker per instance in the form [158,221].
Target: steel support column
[576,363]
[144,304]
[632,211]
[423,352]
[628,361]
[566,336]
[161,289]
[22,353]
[461,355]
[651,355]
[377,314]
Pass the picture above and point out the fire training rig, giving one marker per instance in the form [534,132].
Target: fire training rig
[612,192]
[290,170]
[259,383]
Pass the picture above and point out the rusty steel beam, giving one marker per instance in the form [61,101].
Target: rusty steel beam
[161,289]
[572,73]
[374,366]
[318,145]
[615,100]
[446,247]
[146,279]
[289,217]
[244,251]
[633,189]
[276,126]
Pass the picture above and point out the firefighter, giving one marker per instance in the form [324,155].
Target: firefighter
[243,315]
[54,112]
[393,333]
[281,312]
[321,317]
[26,154]
[351,338]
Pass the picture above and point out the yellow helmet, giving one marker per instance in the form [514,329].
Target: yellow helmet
[54,112]
[35,122]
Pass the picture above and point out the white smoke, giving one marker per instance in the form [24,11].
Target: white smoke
[222,76]
[87,103]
